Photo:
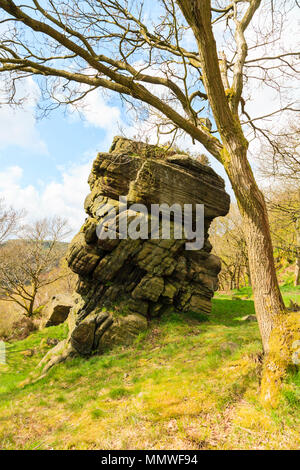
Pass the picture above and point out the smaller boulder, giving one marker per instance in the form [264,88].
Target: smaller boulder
[57,310]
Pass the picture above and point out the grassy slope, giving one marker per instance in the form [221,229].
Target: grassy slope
[186,383]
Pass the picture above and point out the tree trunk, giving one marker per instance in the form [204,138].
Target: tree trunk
[31,304]
[279,330]
[268,301]
[297,271]
[249,275]
[232,274]
[30,308]
[238,275]
[267,297]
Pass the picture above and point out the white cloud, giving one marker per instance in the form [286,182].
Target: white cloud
[98,113]
[63,198]
[18,126]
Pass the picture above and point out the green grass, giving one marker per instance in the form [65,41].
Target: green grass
[189,382]
[288,290]
[18,364]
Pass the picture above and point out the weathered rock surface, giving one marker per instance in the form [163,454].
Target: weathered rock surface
[123,283]
[57,310]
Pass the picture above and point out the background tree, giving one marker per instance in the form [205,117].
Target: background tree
[27,264]
[284,213]
[229,244]
[228,240]
[280,163]
[76,47]
[10,220]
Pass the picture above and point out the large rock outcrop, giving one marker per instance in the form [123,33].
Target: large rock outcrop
[123,283]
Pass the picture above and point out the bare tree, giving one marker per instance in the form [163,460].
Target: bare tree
[27,264]
[280,164]
[76,47]
[9,221]
[229,244]
[284,211]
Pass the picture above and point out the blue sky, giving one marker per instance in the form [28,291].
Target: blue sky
[65,143]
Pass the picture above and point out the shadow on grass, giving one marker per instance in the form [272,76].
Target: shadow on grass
[229,312]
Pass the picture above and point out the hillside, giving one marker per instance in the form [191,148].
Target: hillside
[187,383]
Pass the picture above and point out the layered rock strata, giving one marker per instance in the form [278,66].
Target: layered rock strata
[124,283]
